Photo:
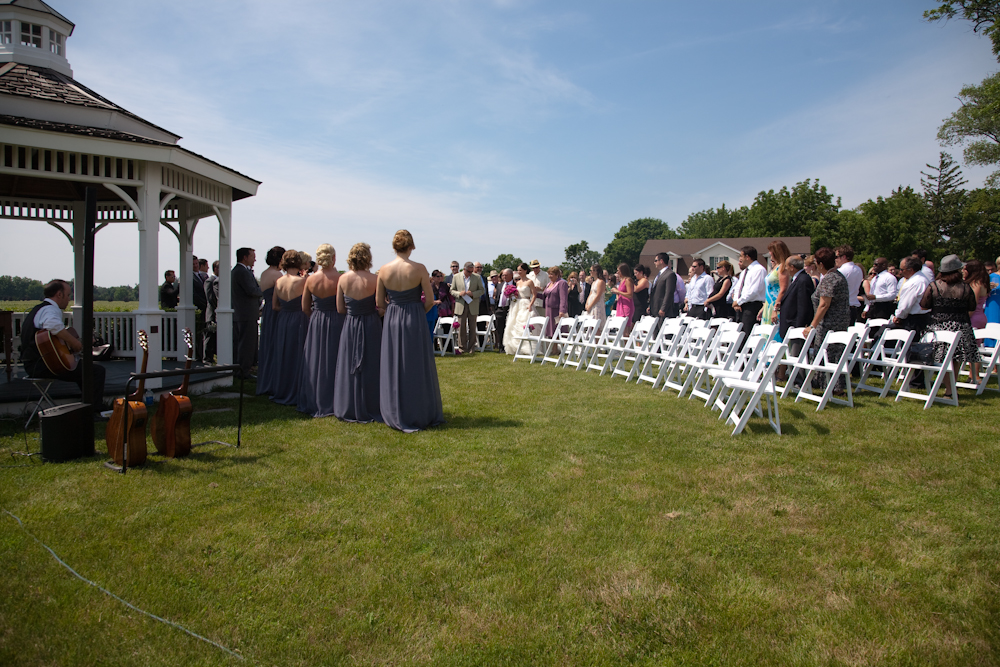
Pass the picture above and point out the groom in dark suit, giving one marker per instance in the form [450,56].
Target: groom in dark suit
[661,290]
[245,294]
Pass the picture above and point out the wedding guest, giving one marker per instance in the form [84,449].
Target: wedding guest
[289,330]
[319,356]
[595,302]
[556,299]
[720,300]
[407,360]
[950,301]
[699,289]
[776,282]
[624,292]
[356,386]
[432,315]
[574,293]
[640,296]
[882,290]
[831,303]
[975,276]
[267,319]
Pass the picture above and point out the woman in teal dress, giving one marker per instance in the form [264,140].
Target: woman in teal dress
[775,284]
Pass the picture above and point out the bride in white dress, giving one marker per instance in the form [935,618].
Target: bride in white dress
[595,304]
[520,310]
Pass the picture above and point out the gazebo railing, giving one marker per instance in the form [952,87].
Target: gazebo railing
[119,329]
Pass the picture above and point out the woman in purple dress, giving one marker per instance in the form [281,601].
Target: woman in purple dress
[289,330]
[319,360]
[356,388]
[556,296]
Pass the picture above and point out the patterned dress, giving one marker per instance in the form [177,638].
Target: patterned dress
[838,317]
[950,306]
[769,315]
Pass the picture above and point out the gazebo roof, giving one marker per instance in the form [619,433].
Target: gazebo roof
[36,6]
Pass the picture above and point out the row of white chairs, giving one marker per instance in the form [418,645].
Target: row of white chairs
[711,361]
[445,336]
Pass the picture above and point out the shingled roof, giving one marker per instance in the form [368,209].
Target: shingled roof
[36,6]
[42,83]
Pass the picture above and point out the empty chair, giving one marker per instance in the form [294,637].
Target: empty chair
[885,358]
[651,359]
[697,342]
[932,370]
[796,339]
[638,342]
[529,341]
[575,354]
[729,325]
[600,351]
[484,332]
[555,346]
[828,362]
[988,367]
[721,355]
[746,394]
[769,330]
[741,367]
[445,335]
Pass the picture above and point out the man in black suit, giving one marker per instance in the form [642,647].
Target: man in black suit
[796,306]
[661,290]
[245,294]
[501,306]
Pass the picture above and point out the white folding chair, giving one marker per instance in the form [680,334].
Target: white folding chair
[824,363]
[697,343]
[729,325]
[889,351]
[534,329]
[564,333]
[601,351]
[741,368]
[724,348]
[795,335]
[938,371]
[638,341]
[990,356]
[769,330]
[445,335]
[667,338]
[745,395]
[484,332]
[575,354]
[716,322]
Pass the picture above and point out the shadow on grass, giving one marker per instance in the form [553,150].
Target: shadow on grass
[465,422]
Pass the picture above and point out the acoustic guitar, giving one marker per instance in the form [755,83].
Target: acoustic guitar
[55,352]
[128,420]
[171,426]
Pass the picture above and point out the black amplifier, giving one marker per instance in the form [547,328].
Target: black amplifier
[67,432]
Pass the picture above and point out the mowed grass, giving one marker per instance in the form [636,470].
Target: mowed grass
[557,518]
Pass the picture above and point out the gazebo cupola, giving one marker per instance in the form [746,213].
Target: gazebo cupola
[33,33]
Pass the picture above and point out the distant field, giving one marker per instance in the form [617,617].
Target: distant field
[99,306]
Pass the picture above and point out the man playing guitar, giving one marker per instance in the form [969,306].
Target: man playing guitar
[48,316]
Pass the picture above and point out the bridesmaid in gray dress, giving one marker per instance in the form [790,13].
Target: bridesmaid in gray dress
[289,331]
[267,319]
[410,396]
[356,394]
[319,357]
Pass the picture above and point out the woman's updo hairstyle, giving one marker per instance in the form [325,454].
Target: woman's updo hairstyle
[360,257]
[326,255]
[402,241]
[524,265]
[305,260]
[290,260]
[274,256]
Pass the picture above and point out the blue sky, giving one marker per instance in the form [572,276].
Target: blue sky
[517,126]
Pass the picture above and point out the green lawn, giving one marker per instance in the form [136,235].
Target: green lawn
[99,306]
[557,518]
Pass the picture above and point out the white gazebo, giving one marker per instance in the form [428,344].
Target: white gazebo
[57,137]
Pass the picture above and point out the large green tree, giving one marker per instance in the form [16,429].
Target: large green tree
[978,236]
[892,227]
[976,125]
[945,199]
[983,15]
[505,261]
[805,210]
[627,244]
[715,223]
[579,256]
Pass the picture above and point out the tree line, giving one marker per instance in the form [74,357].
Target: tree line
[17,288]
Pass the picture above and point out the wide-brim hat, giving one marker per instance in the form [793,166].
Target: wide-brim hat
[493,274]
[951,263]
[535,264]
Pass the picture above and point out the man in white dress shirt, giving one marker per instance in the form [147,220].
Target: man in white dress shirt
[502,308]
[748,294]
[883,291]
[854,275]
[909,315]
[541,280]
[48,315]
[926,267]
[699,289]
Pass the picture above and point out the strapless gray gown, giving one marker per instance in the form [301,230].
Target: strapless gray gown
[265,346]
[319,358]
[356,394]
[410,396]
[286,363]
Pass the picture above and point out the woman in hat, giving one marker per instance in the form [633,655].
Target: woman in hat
[951,301]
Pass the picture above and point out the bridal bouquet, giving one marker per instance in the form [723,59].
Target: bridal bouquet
[510,291]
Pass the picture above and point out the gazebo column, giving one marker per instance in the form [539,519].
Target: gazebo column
[185,278]
[149,316]
[79,211]
[224,313]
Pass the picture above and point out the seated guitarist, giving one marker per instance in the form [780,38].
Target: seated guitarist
[48,315]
